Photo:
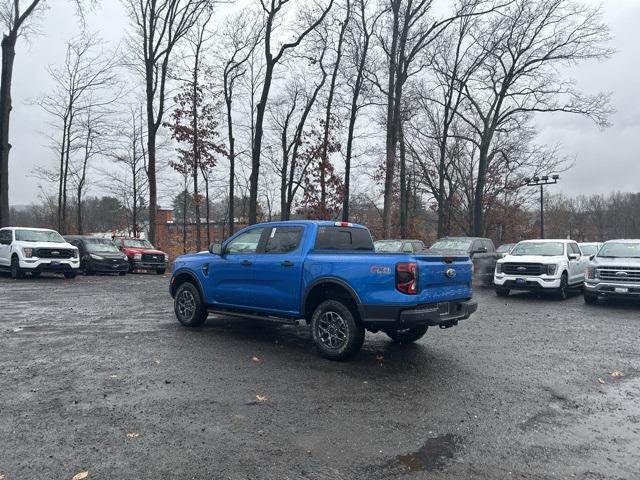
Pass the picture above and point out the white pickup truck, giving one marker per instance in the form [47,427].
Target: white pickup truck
[36,250]
[541,265]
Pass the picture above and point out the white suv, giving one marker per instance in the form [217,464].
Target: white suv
[543,265]
[36,250]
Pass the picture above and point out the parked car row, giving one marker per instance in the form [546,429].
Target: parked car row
[609,270]
[37,250]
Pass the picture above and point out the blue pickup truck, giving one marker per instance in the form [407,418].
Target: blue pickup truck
[327,274]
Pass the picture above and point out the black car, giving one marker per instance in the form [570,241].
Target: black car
[481,250]
[99,255]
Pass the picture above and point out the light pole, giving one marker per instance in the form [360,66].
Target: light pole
[541,182]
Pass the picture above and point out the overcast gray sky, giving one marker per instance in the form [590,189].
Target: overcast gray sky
[606,160]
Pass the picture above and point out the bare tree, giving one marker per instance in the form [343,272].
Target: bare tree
[159,25]
[242,36]
[359,44]
[525,44]
[13,19]
[82,84]
[272,12]
[129,180]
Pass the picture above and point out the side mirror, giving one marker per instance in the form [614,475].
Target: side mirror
[479,250]
[215,248]
[592,257]
[574,256]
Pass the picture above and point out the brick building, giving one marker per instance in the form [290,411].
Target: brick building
[169,233]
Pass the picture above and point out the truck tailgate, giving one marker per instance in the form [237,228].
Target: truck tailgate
[443,277]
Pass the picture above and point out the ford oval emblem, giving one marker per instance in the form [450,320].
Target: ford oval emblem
[451,272]
[522,269]
[622,274]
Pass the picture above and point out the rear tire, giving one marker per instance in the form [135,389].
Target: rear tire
[590,299]
[562,293]
[16,271]
[407,335]
[502,292]
[188,305]
[336,332]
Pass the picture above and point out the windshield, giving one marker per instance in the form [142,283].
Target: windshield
[452,244]
[136,243]
[387,246]
[620,250]
[589,249]
[504,248]
[100,245]
[543,249]
[39,236]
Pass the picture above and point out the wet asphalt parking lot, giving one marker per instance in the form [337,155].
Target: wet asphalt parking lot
[97,376]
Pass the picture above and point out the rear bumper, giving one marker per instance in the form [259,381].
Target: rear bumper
[445,314]
[608,289]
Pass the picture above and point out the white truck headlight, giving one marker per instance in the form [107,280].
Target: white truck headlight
[498,268]
[27,252]
[552,269]
[592,273]
[75,253]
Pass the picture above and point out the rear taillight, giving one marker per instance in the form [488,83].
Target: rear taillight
[407,277]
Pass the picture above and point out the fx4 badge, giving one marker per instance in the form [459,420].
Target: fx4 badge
[380,270]
[451,272]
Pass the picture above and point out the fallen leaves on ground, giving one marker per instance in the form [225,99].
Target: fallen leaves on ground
[133,435]
[81,475]
[261,398]
[255,359]
[601,381]
[617,374]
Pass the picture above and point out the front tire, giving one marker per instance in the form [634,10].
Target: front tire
[563,292]
[590,299]
[502,292]
[407,335]
[188,305]
[16,271]
[336,332]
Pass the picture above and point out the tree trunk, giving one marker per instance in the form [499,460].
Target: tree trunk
[232,159]
[404,200]
[390,140]
[257,143]
[8,56]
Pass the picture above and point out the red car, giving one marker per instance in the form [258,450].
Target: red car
[142,255]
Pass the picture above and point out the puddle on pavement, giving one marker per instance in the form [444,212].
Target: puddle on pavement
[433,455]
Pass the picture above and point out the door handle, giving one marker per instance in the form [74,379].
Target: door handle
[287,263]
[245,263]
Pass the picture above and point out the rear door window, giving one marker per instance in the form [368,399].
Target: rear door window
[343,238]
[574,248]
[283,239]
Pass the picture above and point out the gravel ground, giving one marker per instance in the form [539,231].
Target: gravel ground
[96,375]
